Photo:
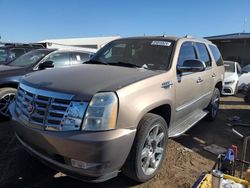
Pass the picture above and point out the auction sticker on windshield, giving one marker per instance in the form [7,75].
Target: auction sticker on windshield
[161,43]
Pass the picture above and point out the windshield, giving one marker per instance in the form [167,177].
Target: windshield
[229,67]
[3,55]
[29,58]
[145,53]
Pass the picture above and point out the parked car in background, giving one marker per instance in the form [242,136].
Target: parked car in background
[35,60]
[116,112]
[245,77]
[11,51]
[231,79]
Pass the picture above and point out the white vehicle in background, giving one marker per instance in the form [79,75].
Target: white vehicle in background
[245,77]
[231,79]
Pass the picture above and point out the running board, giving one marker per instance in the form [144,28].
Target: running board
[187,124]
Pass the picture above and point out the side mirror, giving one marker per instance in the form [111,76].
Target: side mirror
[192,66]
[46,64]
[244,72]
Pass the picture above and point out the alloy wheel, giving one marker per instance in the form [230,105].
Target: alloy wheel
[153,149]
[4,104]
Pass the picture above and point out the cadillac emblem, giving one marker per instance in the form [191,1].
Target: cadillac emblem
[31,107]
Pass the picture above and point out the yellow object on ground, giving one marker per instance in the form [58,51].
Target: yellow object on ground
[206,181]
[237,180]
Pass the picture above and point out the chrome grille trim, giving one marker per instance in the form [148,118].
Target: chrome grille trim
[48,108]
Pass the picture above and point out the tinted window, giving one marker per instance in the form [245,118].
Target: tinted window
[229,67]
[203,54]
[146,53]
[80,57]
[3,55]
[16,52]
[246,68]
[29,58]
[59,59]
[186,53]
[217,55]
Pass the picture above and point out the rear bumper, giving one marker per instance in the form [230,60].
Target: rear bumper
[103,153]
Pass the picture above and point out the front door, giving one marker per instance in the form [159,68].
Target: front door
[189,86]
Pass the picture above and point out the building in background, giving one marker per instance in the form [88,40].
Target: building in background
[233,47]
[89,42]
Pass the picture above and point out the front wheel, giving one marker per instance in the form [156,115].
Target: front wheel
[7,95]
[213,107]
[148,150]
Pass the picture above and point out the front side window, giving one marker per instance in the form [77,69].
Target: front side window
[60,59]
[142,53]
[186,53]
[217,55]
[203,54]
[29,58]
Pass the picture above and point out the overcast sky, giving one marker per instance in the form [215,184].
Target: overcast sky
[33,20]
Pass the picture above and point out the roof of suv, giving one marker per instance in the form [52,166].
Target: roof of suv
[173,38]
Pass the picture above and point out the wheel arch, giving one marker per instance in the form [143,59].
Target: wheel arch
[10,84]
[163,110]
[219,86]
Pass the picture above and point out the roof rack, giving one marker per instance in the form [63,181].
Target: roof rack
[188,36]
[23,44]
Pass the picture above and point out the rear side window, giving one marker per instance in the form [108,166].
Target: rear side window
[186,52]
[80,57]
[203,54]
[217,55]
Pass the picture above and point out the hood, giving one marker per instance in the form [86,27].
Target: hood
[9,71]
[4,68]
[229,76]
[85,80]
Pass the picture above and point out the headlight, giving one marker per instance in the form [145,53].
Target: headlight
[101,113]
[229,82]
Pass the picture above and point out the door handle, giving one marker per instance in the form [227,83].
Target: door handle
[199,80]
[213,75]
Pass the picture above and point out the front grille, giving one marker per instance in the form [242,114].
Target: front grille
[42,109]
[227,90]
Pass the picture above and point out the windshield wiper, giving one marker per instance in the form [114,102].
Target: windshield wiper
[124,64]
[95,62]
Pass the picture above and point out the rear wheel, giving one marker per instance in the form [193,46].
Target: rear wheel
[213,107]
[247,99]
[148,150]
[7,95]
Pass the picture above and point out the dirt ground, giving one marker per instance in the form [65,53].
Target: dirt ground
[186,158]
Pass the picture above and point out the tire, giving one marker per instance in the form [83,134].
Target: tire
[213,107]
[247,99]
[147,154]
[7,95]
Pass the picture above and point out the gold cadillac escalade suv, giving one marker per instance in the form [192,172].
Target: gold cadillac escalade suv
[116,112]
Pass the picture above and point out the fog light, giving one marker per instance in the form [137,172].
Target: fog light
[81,164]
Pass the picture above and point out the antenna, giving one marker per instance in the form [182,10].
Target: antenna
[244,25]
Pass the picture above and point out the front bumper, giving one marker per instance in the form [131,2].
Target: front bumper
[105,152]
[229,89]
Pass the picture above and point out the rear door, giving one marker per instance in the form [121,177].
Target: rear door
[207,76]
